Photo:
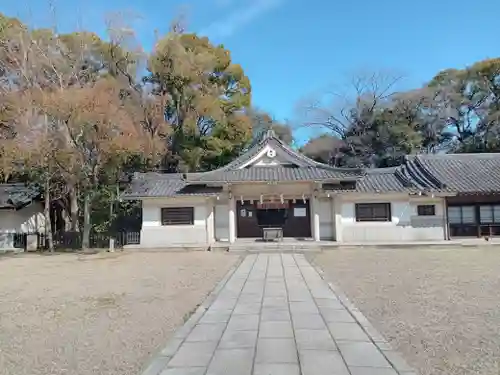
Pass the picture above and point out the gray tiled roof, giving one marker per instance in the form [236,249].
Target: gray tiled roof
[164,185]
[277,174]
[173,184]
[384,180]
[462,173]
[16,196]
[378,180]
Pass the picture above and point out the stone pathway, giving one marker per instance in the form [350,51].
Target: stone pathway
[276,316]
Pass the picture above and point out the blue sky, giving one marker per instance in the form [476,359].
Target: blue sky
[293,50]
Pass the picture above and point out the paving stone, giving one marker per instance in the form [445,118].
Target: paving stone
[276,351]
[229,294]
[347,332]
[184,371]
[319,362]
[259,284]
[223,304]
[275,302]
[329,303]
[303,308]
[314,339]
[206,332]
[193,354]
[308,321]
[275,314]
[275,282]
[231,361]
[310,276]
[243,323]
[334,315]
[373,333]
[358,315]
[276,330]
[275,310]
[296,282]
[363,354]
[247,309]
[216,316]
[256,277]
[276,369]
[253,288]
[250,298]
[372,371]
[172,346]
[238,339]
[397,361]
[300,297]
[275,292]
[384,346]
[322,291]
[297,290]
[277,286]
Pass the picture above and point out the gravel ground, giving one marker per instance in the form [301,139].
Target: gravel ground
[97,314]
[439,308]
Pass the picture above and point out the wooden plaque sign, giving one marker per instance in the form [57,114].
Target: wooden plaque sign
[272,205]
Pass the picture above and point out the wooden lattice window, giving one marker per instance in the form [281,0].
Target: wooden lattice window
[177,216]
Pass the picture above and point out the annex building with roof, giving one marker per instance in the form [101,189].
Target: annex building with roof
[20,212]
[431,197]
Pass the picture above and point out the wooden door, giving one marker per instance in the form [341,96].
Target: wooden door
[246,222]
[298,223]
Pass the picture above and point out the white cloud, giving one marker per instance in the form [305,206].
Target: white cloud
[240,18]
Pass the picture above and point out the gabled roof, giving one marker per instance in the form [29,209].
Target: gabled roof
[270,139]
[461,173]
[16,196]
[241,170]
[298,167]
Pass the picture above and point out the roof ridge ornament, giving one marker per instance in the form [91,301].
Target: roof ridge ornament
[270,134]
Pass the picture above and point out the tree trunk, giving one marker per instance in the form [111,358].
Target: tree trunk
[46,212]
[86,222]
[73,197]
[66,219]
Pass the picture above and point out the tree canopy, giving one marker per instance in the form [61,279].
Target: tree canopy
[457,111]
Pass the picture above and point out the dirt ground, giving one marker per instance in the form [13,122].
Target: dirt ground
[97,314]
[439,308]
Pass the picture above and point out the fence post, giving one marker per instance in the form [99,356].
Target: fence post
[111,244]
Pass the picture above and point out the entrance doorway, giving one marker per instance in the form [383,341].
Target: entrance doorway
[292,217]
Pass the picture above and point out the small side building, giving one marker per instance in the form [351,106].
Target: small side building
[20,212]
[272,185]
[474,208]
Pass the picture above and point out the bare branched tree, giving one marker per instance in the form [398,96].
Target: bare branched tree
[334,109]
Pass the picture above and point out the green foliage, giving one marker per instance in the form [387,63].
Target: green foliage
[262,122]
[206,96]
[469,103]
[324,149]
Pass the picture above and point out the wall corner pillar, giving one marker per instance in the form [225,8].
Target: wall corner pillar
[337,219]
[315,218]
[232,219]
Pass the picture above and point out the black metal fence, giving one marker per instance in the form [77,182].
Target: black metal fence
[73,240]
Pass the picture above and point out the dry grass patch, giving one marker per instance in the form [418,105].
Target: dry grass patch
[439,308]
[97,314]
